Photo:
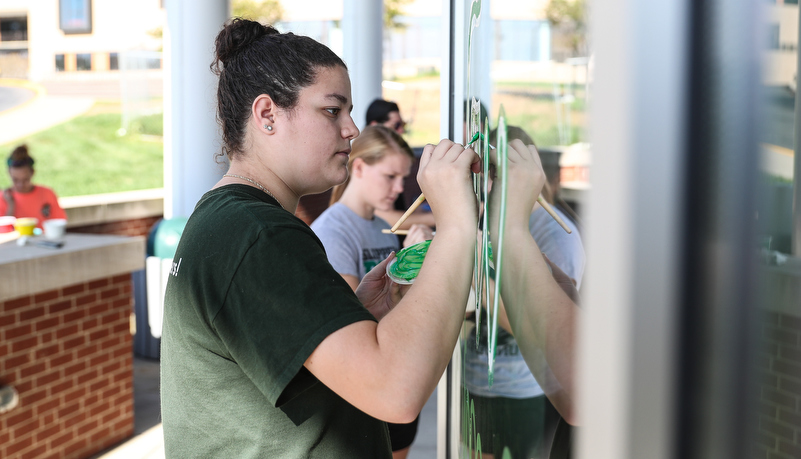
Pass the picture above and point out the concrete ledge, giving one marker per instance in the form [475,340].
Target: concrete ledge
[110,207]
[782,285]
[29,270]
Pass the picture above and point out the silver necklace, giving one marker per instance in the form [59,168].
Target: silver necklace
[261,187]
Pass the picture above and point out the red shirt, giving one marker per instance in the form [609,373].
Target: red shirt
[40,203]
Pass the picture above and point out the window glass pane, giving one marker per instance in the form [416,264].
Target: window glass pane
[773,36]
[779,365]
[411,78]
[13,29]
[533,73]
[114,61]
[83,61]
[59,62]
[75,16]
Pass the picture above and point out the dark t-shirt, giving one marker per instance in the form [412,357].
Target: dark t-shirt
[250,296]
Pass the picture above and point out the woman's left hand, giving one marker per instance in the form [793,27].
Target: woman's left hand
[377,292]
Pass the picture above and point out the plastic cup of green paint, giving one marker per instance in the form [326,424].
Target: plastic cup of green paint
[407,263]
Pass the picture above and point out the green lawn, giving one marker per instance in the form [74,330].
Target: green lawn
[87,156]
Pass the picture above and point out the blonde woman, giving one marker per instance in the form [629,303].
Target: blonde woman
[351,232]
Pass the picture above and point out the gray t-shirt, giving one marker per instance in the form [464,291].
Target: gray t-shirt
[512,377]
[353,244]
[565,250]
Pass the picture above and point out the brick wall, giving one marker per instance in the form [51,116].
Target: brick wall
[68,354]
[780,403]
[132,227]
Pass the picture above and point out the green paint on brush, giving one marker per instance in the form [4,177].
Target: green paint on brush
[477,136]
[409,261]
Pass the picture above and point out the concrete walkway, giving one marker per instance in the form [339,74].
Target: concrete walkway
[148,439]
[38,113]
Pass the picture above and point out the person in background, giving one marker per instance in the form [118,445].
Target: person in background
[387,114]
[23,198]
[351,232]
[266,350]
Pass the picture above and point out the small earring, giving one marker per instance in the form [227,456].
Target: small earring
[269,128]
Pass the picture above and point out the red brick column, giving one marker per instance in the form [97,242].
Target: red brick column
[132,227]
[68,352]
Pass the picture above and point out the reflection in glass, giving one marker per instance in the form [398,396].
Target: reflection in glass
[779,364]
[504,410]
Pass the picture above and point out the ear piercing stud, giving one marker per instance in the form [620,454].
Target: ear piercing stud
[269,128]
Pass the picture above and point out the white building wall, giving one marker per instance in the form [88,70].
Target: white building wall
[780,64]
[116,27]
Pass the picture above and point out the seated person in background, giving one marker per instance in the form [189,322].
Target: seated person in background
[385,113]
[351,233]
[23,198]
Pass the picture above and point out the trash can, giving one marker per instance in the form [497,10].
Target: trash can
[149,285]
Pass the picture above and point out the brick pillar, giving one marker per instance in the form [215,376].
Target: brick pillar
[68,352]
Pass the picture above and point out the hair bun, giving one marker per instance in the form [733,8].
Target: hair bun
[20,157]
[238,35]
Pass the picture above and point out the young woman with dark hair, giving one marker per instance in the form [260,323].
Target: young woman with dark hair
[266,349]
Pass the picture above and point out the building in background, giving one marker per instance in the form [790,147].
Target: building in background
[44,37]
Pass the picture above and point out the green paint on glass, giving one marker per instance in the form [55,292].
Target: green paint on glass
[481,136]
[470,435]
[408,261]
[482,292]
[502,168]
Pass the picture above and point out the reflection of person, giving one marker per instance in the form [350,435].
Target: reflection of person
[23,198]
[566,250]
[266,350]
[351,233]
[538,297]
[514,413]
[385,113]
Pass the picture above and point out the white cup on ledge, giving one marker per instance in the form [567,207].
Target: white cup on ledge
[54,228]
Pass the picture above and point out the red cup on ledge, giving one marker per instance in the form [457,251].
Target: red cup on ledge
[7,223]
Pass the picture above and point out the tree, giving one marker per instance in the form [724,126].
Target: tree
[268,11]
[393,9]
[569,17]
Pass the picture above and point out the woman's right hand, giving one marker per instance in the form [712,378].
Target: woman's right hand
[447,183]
